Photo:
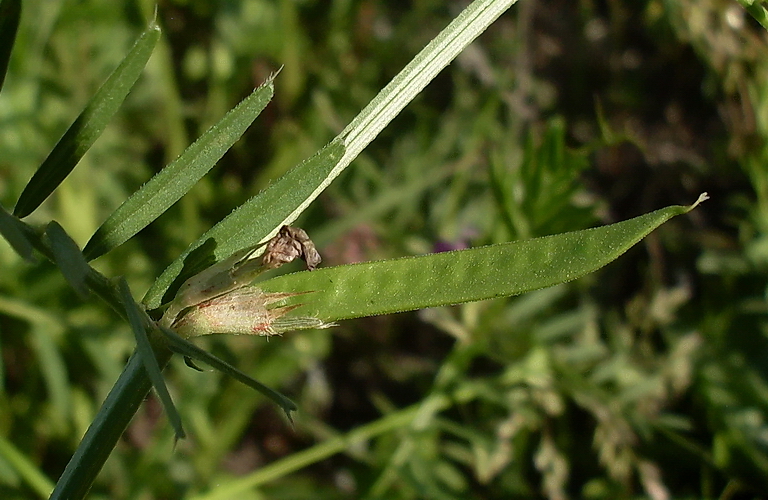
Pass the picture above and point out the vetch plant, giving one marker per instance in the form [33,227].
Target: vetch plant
[209,288]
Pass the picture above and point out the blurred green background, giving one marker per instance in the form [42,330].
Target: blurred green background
[644,380]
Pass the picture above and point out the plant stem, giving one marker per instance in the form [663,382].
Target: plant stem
[113,418]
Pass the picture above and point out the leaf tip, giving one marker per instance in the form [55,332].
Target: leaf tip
[153,25]
[274,74]
[269,82]
[288,406]
[178,435]
[288,414]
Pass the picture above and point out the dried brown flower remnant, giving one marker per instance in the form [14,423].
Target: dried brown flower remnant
[291,243]
[245,311]
[240,269]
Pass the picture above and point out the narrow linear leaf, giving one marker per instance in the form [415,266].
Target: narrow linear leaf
[10,13]
[15,232]
[173,182]
[256,220]
[756,9]
[144,348]
[189,350]
[422,69]
[68,258]
[95,281]
[462,276]
[88,126]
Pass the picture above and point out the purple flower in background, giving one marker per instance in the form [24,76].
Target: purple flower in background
[461,243]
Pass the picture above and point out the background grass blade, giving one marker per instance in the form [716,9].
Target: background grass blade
[253,222]
[144,348]
[46,331]
[462,276]
[88,126]
[15,232]
[28,471]
[69,258]
[316,453]
[10,13]
[173,182]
